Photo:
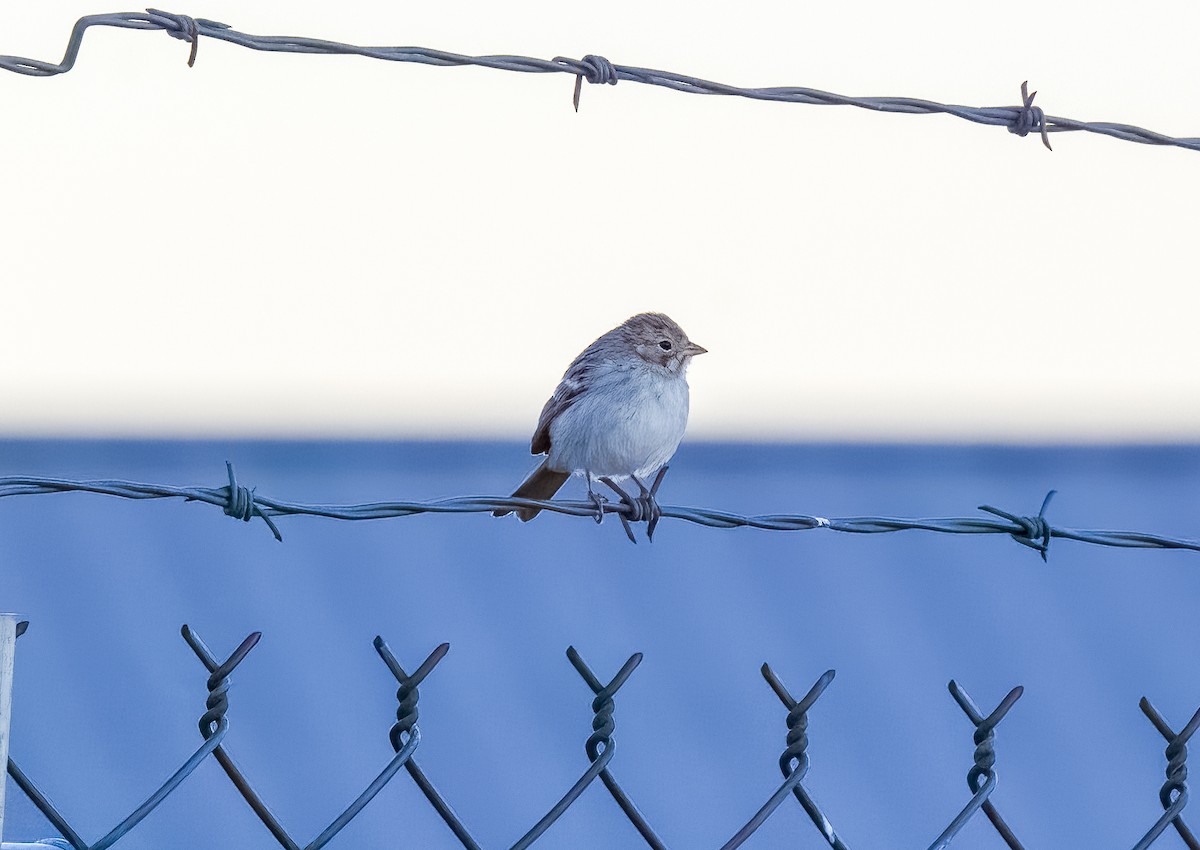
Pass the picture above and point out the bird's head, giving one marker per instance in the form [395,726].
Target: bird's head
[658,340]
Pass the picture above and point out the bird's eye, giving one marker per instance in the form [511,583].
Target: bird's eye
[665,345]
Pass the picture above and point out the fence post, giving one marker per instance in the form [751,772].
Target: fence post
[8,646]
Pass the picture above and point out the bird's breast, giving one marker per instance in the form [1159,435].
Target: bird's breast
[628,421]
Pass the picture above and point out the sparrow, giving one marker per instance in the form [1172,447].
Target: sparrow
[619,412]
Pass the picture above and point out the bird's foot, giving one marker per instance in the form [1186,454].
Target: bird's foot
[641,508]
[651,498]
[598,502]
[635,509]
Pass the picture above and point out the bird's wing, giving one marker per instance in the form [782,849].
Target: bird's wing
[572,386]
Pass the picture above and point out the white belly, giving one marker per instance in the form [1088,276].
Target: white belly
[628,422]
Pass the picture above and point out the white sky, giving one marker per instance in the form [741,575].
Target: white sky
[305,245]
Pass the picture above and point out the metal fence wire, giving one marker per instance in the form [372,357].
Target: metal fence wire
[1021,120]
[404,738]
[245,503]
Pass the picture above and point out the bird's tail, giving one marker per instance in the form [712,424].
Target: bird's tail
[541,484]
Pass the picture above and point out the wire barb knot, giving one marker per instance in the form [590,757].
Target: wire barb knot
[598,70]
[595,69]
[241,505]
[182,27]
[641,508]
[1030,118]
[1035,532]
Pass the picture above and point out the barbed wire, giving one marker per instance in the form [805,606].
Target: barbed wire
[245,503]
[1021,120]
[404,736]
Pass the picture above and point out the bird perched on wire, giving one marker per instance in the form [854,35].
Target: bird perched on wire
[619,412]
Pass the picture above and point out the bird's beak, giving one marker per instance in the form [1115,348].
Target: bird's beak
[692,350]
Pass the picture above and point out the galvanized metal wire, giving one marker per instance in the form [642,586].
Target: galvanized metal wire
[244,503]
[1021,119]
[404,737]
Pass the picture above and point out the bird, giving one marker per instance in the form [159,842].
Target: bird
[619,412]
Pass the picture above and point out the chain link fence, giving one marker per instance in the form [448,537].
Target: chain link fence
[404,738]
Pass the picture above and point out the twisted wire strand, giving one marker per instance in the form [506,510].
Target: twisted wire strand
[794,763]
[403,753]
[603,725]
[985,756]
[981,778]
[1020,120]
[600,747]
[795,757]
[213,727]
[1174,793]
[406,717]
[245,503]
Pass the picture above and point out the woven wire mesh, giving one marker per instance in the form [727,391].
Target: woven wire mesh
[404,738]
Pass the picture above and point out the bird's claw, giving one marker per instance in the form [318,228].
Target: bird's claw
[598,502]
[641,508]
[652,502]
[634,508]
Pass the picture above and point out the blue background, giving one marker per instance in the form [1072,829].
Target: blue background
[108,695]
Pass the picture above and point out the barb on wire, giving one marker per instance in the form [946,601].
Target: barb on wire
[1020,120]
[1030,118]
[240,504]
[244,503]
[1035,531]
